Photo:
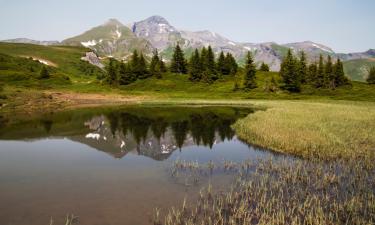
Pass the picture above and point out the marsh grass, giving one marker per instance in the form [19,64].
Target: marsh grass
[281,191]
[324,130]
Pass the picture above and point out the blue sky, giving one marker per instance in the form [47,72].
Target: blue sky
[344,25]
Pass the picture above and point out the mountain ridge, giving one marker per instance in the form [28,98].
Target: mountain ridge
[114,39]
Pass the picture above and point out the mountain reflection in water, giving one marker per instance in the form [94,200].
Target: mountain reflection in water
[154,132]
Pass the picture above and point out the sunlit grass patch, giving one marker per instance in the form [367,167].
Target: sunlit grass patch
[324,130]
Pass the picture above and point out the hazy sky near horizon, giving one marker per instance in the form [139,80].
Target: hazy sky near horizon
[344,25]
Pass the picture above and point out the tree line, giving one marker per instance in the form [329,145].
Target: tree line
[203,66]
[295,71]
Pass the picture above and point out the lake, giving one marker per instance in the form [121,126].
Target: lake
[112,165]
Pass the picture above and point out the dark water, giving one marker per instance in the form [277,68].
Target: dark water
[110,166]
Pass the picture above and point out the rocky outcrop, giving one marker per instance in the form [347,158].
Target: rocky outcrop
[93,59]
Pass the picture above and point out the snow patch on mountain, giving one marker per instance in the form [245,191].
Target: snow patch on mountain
[89,43]
[231,43]
[322,48]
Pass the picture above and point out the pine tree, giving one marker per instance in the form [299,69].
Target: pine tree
[233,66]
[250,72]
[264,67]
[178,64]
[155,64]
[203,58]
[44,74]
[329,78]
[163,68]
[125,74]
[371,76]
[221,68]
[112,72]
[211,67]
[312,73]
[143,72]
[302,67]
[319,81]
[195,69]
[134,65]
[289,73]
[340,78]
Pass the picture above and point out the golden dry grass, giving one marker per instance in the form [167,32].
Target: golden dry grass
[323,130]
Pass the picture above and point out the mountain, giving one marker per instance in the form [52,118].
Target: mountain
[30,41]
[111,39]
[114,39]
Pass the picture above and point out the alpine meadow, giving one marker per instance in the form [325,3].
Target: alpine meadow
[129,123]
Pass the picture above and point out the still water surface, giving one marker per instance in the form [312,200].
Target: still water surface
[111,166]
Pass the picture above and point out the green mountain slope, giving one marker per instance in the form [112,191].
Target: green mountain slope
[111,39]
[357,69]
[63,60]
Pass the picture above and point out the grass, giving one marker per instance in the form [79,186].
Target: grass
[325,130]
[280,191]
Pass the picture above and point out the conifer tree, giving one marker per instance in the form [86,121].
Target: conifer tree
[178,64]
[371,76]
[44,74]
[203,59]
[125,74]
[211,64]
[134,65]
[289,73]
[233,65]
[312,73]
[329,77]
[319,81]
[302,67]
[195,69]
[250,72]
[221,68]
[143,72]
[264,67]
[112,72]
[163,68]
[155,64]
[338,70]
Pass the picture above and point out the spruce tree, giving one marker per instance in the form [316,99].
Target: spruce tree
[154,65]
[233,66]
[134,65]
[371,76]
[195,69]
[302,67]
[203,59]
[264,67]
[329,78]
[289,73]
[250,72]
[143,72]
[112,72]
[44,74]
[319,81]
[312,73]
[163,68]
[211,67]
[125,74]
[338,70]
[221,64]
[178,64]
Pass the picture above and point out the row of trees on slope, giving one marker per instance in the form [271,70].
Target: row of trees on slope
[295,71]
[203,66]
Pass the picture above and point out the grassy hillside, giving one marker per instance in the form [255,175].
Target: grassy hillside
[358,69]
[66,59]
